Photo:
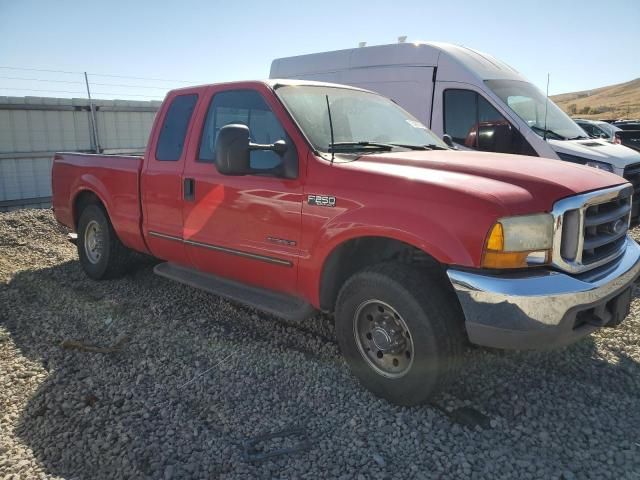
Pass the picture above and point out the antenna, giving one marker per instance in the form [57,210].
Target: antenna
[546,107]
[333,154]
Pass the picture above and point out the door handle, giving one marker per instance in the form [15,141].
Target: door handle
[189,190]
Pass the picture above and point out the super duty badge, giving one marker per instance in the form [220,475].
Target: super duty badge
[321,200]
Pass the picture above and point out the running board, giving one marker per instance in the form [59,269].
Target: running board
[278,304]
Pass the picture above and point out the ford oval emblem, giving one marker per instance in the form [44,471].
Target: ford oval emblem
[618,226]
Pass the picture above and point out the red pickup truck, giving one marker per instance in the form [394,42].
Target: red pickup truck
[294,197]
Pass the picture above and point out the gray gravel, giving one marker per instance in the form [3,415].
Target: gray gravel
[194,376]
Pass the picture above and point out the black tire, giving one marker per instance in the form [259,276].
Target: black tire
[433,319]
[114,257]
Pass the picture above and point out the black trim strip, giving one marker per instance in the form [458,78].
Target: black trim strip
[231,251]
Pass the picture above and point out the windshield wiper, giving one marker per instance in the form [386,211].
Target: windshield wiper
[579,137]
[430,146]
[358,146]
[549,132]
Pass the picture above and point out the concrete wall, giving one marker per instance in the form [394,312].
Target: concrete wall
[32,129]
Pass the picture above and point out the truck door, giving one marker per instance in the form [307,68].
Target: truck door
[246,227]
[161,181]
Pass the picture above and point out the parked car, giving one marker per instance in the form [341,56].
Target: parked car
[453,89]
[628,138]
[627,124]
[598,128]
[296,196]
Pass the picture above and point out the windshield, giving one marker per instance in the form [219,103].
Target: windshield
[607,128]
[530,104]
[357,117]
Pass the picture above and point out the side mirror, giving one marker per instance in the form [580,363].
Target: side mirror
[446,138]
[233,150]
[604,136]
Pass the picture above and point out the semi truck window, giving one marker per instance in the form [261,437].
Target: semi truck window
[174,128]
[248,108]
[473,122]
[460,113]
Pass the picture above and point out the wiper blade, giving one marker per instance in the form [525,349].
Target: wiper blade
[551,132]
[433,146]
[580,137]
[355,146]
[430,146]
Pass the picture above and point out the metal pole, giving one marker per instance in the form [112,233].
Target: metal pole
[94,128]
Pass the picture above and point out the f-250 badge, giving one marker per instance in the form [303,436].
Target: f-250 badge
[321,200]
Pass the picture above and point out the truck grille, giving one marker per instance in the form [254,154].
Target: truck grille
[632,175]
[591,229]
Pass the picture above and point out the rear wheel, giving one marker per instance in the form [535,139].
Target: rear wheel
[400,332]
[101,253]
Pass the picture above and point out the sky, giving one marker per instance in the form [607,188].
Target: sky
[582,45]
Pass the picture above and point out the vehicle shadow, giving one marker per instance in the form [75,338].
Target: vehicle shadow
[144,408]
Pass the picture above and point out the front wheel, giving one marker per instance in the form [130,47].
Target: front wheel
[400,331]
[101,253]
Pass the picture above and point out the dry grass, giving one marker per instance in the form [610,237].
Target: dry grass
[621,101]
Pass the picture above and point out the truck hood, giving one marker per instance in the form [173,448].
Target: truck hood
[521,184]
[599,150]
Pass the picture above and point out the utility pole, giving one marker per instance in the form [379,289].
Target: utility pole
[94,127]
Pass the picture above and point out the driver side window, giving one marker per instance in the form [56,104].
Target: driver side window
[473,122]
[248,108]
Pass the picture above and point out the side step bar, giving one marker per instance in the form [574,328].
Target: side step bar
[278,304]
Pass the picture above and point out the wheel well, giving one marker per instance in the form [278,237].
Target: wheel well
[82,201]
[356,254]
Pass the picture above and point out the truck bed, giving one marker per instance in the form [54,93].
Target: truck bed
[115,179]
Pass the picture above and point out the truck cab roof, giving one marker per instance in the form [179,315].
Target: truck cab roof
[272,83]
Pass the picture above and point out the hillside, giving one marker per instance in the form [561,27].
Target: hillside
[611,102]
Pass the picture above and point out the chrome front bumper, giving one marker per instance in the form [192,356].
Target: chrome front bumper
[545,308]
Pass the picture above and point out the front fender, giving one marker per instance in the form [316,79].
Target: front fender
[428,235]
[450,241]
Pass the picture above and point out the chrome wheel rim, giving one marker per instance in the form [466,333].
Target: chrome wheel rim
[93,242]
[383,338]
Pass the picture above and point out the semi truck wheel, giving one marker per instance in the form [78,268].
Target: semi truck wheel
[101,253]
[400,332]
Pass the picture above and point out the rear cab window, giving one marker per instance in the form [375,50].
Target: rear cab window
[174,128]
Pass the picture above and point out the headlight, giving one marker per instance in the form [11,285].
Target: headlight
[517,242]
[599,165]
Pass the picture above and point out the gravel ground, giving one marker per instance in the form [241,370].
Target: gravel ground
[192,377]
